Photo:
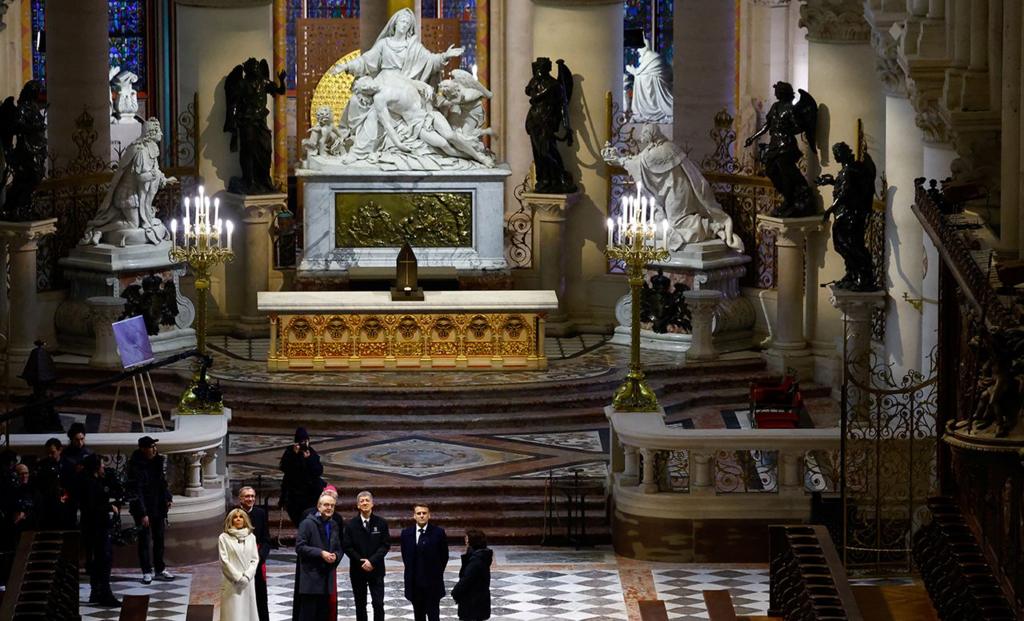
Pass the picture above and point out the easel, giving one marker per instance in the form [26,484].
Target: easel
[148,391]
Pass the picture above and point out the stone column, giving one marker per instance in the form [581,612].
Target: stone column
[1010,144]
[788,346]
[841,74]
[702,303]
[579,24]
[857,308]
[22,241]
[373,15]
[104,311]
[704,70]
[77,75]
[257,213]
[549,211]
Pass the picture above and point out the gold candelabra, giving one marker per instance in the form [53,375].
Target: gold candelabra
[205,244]
[634,241]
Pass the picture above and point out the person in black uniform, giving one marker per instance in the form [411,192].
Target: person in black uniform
[302,482]
[261,529]
[97,529]
[425,554]
[367,541]
[150,507]
[53,512]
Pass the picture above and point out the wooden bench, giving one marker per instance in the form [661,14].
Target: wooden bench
[719,604]
[199,612]
[652,610]
[134,608]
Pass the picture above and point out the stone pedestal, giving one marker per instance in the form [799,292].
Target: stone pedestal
[857,308]
[788,347]
[703,304]
[22,241]
[549,215]
[257,214]
[709,265]
[103,311]
[107,271]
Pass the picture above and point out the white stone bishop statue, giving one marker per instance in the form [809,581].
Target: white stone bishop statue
[652,87]
[395,121]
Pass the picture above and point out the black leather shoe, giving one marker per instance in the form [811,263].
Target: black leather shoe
[109,602]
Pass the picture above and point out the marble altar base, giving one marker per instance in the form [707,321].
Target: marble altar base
[104,270]
[366,330]
[323,258]
[700,266]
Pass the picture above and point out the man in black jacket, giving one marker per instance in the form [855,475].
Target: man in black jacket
[261,529]
[318,552]
[367,541]
[149,507]
[302,482]
[425,554]
[96,529]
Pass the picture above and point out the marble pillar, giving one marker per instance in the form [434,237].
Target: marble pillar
[857,308]
[937,160]
[704,71]
[788,347]
[549,217]
[904,252]
[77,78]
[104,311]
[703,303]
[1010,143]
[22,241]
[589,38]
[509,118]
[256,214]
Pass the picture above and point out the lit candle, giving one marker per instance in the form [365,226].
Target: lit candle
[231,228]
[643,210]
[216,209]
[186,209]
[624,206]
[174,232]
[474,71]
[664,234]
[611,230]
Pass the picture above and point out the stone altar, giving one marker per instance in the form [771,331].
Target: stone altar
[366,330]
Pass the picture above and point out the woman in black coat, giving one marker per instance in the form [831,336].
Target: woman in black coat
[473,592]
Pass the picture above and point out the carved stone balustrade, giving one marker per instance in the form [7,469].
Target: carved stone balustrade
[673,487]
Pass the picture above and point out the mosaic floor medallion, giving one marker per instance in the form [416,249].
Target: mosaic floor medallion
[419,458]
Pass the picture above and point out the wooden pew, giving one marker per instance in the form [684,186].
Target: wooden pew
[134,608]
[719,604]
[652,610]
[199,612]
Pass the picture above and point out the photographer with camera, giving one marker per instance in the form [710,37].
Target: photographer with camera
[302,481]
[149,507]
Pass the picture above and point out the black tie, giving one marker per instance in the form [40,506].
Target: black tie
[366,524]
[422,528]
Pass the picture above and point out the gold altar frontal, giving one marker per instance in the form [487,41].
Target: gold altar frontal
[406,342]
[401,337]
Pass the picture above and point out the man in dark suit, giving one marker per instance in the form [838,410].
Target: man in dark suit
[261,529]
[366,543]
[425,554]
[318,549]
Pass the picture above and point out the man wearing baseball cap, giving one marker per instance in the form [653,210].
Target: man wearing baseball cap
[149,508]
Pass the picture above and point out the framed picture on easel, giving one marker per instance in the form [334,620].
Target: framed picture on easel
[135,350]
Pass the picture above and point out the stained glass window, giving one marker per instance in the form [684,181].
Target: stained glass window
[465,12]
[654,17]
[127,28]
[298,9]
[128,38]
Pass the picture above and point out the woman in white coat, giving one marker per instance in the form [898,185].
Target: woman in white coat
[239,559]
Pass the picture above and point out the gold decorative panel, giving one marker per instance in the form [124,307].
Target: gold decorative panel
[384,220]
[406,341]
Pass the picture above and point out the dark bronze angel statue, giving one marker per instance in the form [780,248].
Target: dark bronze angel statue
[547,123]
[852,201]
[23,138]
[247,87]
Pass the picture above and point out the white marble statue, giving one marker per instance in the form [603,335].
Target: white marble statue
[127,103]
[652,87]
[461,100]
[126,217]
[391,120]
[324,138]
[680,191]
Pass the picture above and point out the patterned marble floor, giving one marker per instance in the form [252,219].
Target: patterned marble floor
[527,584]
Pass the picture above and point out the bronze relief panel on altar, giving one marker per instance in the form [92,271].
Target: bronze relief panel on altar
[383,220]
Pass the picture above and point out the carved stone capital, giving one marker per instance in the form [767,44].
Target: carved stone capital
[887,64]
[835,21]
[25,236]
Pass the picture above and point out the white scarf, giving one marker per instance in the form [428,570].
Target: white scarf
[239,533]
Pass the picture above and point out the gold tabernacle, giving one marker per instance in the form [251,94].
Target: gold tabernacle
[405,341]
